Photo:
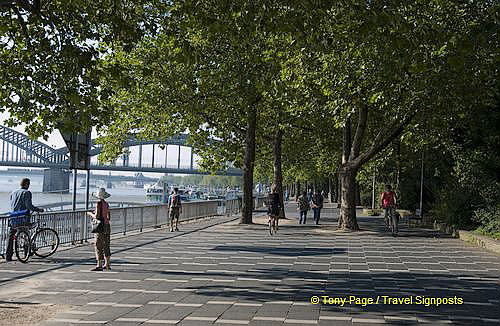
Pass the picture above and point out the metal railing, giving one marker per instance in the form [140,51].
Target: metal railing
[75,226]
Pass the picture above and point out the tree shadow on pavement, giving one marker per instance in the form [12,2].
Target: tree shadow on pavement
[480,296]
[282,251]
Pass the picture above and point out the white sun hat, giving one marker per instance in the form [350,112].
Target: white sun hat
[101,194]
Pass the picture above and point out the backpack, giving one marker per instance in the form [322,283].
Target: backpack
[175,201]
[303,204]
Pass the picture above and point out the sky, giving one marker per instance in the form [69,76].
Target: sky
[55,140]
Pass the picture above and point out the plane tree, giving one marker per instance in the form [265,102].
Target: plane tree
[389,66]
[49,62]
[212,71]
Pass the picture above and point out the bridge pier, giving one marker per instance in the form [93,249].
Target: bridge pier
[55,179]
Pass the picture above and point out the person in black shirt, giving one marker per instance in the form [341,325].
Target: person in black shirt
[273,205]
[317,205]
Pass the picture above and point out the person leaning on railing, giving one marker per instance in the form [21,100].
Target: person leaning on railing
[20,200]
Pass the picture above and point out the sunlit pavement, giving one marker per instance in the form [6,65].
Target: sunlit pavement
[224,273]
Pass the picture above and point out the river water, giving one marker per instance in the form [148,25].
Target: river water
[9,183]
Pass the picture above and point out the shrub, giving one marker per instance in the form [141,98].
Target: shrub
[489,219]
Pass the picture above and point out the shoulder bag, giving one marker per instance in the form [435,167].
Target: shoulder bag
[98,224]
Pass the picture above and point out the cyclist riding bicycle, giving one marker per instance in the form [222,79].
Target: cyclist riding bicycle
[20,200]
[389,200]
[273,205]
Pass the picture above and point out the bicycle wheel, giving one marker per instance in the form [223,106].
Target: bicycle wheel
[395,223]
[391,222]
[23,246]
[45,242]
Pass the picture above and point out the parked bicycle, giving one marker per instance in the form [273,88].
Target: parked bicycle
[43,242]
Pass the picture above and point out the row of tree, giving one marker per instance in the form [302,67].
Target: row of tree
[212,181]
[293,90]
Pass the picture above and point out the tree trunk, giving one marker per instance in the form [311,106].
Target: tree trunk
[347,218]
[336,199]
[397,187]
[347,177]
[358,194]
[278,176]
[297,190]
[353,160]
[248,166]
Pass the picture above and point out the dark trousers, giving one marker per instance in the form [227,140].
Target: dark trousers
[316,212]
[302,217]
[10,245]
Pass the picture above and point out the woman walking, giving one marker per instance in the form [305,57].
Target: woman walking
[302,207]
[102,238]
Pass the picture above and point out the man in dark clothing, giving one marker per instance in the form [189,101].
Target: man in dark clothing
[317,205]
[273,203]
[174,203]
[19,200]
[310,196]
[273,207]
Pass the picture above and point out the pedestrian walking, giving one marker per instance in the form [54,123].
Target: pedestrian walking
[302,207]
[175,206]
[103,234]
[317,205]
[20,200]
[310,195]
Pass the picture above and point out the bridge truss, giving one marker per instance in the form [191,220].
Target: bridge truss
[18,150]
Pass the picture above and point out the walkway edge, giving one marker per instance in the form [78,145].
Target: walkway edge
[480,241]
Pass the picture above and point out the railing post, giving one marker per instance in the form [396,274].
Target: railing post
[82,226]
[156,215]
[142,217]
[124,221]
[73,227]
[53,221]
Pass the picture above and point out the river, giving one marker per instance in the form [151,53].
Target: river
[9,183]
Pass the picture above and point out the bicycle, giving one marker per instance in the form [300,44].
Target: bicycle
[42,243]
[273,224]
[391,221]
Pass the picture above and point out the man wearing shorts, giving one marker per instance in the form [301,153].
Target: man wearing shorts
[174,203]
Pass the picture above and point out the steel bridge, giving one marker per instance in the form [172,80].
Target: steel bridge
[19,150]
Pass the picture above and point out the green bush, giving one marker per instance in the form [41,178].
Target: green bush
[454,205]
[489,219]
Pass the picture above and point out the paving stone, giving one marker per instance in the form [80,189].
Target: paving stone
[234,274]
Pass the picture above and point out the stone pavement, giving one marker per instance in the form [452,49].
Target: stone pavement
[229,274]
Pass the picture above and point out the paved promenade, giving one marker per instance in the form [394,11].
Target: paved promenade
[218,272]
